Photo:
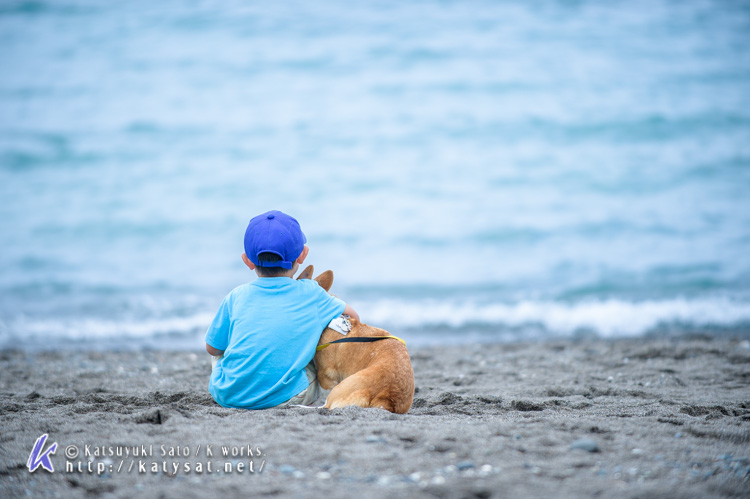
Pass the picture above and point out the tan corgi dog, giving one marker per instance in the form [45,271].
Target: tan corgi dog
[373,374]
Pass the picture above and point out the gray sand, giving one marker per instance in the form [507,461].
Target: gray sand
[627,418]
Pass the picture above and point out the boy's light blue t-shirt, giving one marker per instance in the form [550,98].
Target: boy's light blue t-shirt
[268,330]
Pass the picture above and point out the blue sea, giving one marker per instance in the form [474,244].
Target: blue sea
[474,171]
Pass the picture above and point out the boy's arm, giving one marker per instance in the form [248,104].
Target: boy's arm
[218,331]
[213,351]
[350,312]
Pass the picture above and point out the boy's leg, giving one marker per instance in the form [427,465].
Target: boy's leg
[309,395]
[315,391]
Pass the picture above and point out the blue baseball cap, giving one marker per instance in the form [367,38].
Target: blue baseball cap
[274,232]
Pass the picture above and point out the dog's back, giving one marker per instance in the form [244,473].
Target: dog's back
[376,374]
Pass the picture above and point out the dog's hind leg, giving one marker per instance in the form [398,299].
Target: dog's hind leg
[358,398]
[349,392]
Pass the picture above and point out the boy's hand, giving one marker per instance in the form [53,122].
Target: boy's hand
[351,312]
[213,351]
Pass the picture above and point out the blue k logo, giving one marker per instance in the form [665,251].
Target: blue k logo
[38,457]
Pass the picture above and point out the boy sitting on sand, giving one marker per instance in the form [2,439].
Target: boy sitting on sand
[264,335]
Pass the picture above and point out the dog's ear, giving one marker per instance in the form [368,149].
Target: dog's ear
[325,279]
[306,274]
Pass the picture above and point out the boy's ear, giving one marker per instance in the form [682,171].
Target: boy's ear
[325,279]
[306,274]
[247,261]
[303,255]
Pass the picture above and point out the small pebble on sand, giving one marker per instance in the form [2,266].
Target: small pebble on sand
[585,444]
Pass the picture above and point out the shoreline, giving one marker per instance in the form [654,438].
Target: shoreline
[563,418]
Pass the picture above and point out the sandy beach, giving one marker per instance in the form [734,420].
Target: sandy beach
[624,418]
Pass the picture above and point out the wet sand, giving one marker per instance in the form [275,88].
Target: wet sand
[625,418]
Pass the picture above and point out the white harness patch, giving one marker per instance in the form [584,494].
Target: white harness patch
[341,324]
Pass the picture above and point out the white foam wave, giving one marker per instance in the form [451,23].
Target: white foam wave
[40,330]
[608,318]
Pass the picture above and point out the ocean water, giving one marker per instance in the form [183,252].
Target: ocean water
[471,171]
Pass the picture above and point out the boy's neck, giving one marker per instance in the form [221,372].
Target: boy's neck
[290,274]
